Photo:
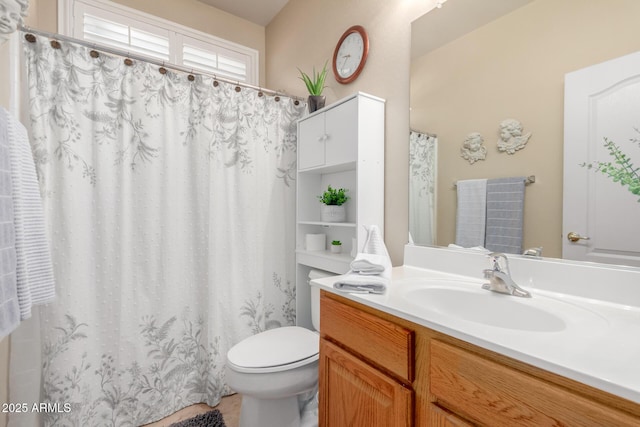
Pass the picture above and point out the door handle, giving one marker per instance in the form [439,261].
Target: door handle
[574,237]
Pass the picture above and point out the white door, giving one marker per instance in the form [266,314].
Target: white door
[601,101]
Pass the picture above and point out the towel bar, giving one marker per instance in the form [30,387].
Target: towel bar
[528,180]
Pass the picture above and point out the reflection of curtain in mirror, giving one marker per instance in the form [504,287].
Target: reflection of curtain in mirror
[422,177]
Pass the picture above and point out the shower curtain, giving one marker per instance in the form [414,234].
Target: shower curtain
[422,179]
[169,200]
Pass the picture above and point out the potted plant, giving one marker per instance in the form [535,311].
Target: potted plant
[333,200]
[336,246]
[315,86]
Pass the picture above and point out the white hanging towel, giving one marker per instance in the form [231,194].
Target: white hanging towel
[35,282]
[505,214]
[9,308]
[471,212]
[371,269]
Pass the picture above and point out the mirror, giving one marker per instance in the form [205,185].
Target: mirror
[476,63]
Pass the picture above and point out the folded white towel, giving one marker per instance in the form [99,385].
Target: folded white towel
[371,269]
[356,283]
[368,264]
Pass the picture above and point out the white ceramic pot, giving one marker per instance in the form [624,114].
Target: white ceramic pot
[336,249]
[333,213]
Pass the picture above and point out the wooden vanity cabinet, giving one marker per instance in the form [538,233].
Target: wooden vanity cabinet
[380,370]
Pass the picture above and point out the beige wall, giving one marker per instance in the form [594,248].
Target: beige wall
[515,67]
[305,34]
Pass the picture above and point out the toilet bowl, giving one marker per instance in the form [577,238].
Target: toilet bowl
[274,369]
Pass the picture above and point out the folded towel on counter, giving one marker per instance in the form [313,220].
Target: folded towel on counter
[361,284]
[369,264]
[371,269]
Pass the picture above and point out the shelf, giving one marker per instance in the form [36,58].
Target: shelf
[325,260]
[329,169]
[329,224]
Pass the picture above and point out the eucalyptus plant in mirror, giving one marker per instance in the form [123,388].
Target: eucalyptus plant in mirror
[621,170]
[12,13]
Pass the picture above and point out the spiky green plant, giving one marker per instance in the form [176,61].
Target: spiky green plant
[315,85]
[620,170]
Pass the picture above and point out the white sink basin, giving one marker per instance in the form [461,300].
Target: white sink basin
[468,302]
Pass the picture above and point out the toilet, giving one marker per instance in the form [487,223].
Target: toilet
[275,369]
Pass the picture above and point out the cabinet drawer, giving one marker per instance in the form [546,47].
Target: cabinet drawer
[383,343]
[492,394]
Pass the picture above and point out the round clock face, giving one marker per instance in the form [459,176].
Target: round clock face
[350,54]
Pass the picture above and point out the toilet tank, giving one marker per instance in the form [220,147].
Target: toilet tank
[315,296]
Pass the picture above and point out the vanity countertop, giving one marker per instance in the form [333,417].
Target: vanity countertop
[603,352]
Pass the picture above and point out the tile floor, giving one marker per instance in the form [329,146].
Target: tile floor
[229,406]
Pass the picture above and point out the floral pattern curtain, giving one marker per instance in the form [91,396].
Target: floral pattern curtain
[170,205]
[422,185]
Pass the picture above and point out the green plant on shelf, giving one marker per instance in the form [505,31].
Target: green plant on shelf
[336,242]
[334,196]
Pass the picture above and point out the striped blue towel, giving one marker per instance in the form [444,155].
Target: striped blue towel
[505,214]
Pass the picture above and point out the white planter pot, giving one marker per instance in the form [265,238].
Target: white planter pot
[333,213]
[336,249]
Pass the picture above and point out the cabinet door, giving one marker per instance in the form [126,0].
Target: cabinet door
[438,417]
[341,128]
[354,394]
[312,142]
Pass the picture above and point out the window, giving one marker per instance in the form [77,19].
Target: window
[127,29]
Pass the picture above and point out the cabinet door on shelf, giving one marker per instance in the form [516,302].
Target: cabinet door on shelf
[341,128]
[311,145]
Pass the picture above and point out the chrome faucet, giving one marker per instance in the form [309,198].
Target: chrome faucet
[533,252]
[500,278]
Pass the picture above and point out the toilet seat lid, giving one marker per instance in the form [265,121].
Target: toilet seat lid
[275,347]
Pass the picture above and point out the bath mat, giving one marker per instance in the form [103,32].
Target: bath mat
[208,419]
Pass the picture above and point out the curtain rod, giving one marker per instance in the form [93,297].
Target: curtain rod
[431,135]
[127,54]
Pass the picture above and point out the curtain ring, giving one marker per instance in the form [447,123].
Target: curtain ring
[238,89]
[162,70]
[93,52]
[191,77]
[277,98]
[128,61]
[215,82]
[260,94]
[30,38]
[55,44]
[296,102]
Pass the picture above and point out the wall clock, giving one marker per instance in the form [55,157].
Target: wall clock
[350,54]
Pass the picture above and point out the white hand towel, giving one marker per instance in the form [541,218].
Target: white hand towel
[471,212]
[368,264]
[371,269]
[9,308]
[35,281]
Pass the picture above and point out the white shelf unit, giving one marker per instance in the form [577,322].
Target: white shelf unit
[341,145]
